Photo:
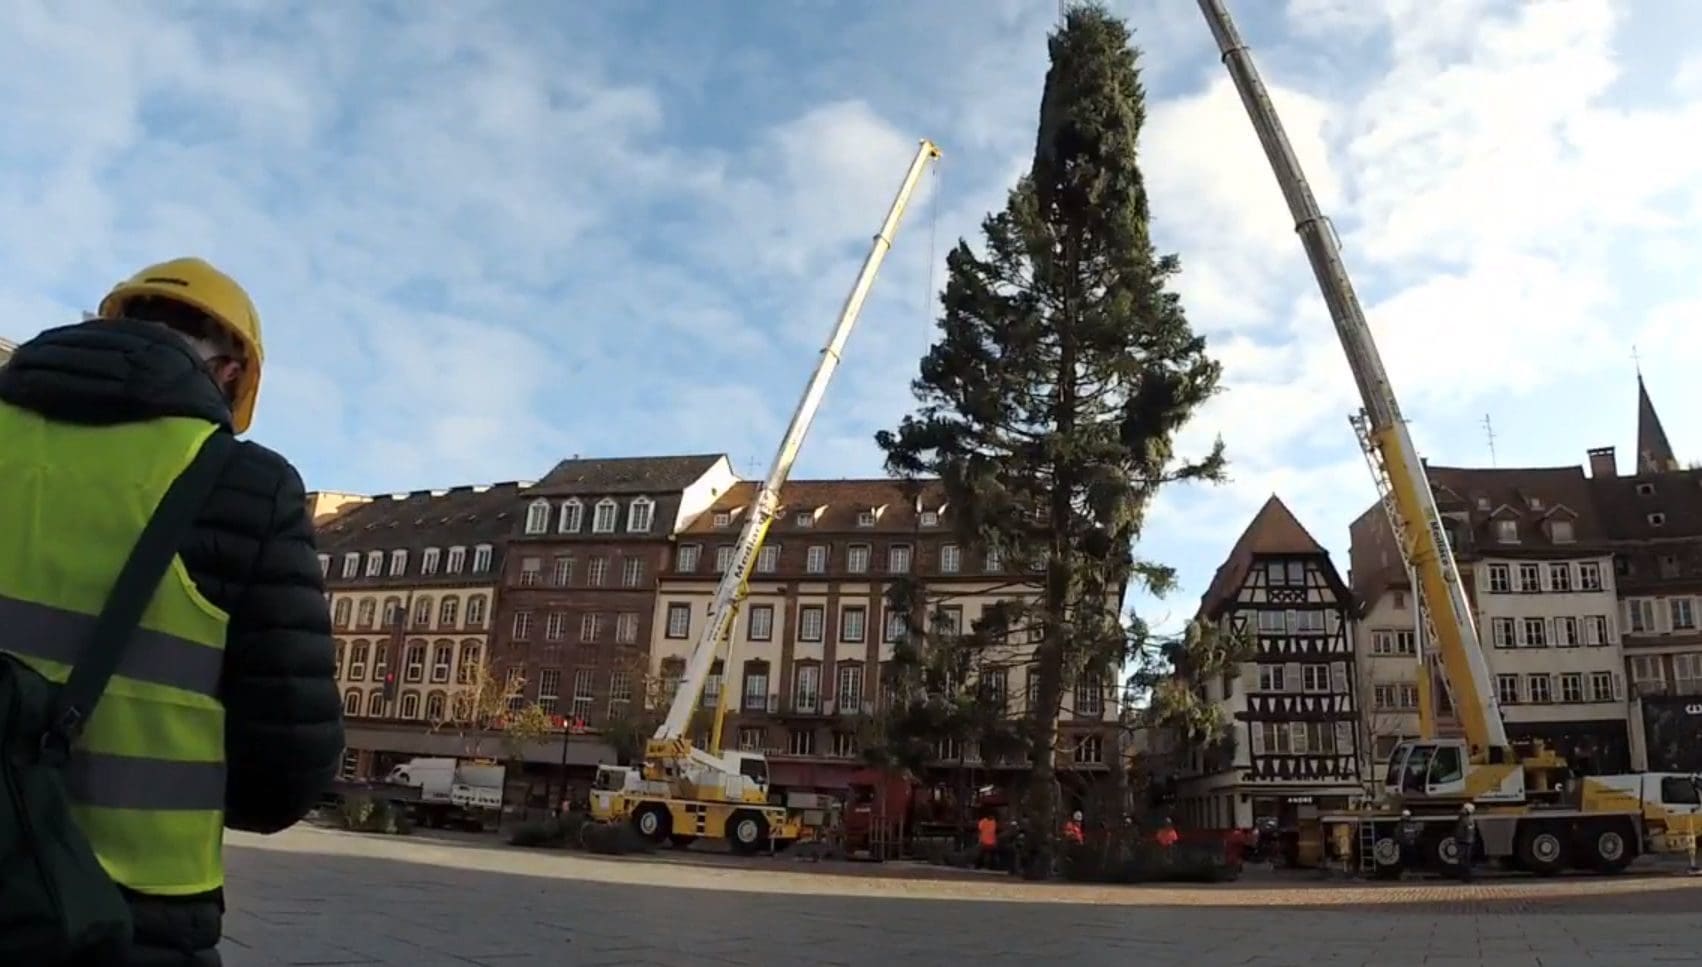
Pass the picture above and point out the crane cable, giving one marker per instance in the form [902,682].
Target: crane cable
[928,298]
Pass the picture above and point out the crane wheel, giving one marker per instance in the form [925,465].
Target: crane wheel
[747,832]
[1445,851]
[653,822]
[1386,856]
[1542,850]
[1609,846]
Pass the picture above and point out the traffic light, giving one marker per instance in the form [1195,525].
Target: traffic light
[389,686]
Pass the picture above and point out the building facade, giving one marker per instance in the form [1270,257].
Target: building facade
[1654,518]
[1538,569]
[412,582]
[1294,708]
[579,582]
[814,639]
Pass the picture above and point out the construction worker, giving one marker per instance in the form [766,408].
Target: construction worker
[226,712]
[1465,838]
[987,835]
[1407,834]
[1072,829]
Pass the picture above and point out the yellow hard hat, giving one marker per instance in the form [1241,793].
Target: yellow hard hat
[195,283]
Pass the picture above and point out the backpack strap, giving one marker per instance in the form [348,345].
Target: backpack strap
[134,589]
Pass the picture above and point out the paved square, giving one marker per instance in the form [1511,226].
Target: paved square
[312,896]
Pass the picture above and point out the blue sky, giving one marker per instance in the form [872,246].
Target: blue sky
[484,236]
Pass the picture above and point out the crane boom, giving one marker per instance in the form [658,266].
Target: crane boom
[1414,516]
[767,502]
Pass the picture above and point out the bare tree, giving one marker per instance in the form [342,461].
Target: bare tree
[479,707]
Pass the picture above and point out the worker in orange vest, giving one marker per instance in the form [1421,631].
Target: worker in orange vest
[987,830]
[1072,829]
[1167,835]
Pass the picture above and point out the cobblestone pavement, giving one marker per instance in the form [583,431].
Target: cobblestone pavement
[312,896]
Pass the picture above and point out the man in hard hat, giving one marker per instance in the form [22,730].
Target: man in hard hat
[225,711]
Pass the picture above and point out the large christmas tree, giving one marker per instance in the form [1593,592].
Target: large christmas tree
[1063,370]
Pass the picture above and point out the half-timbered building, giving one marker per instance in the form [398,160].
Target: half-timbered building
[1293,744]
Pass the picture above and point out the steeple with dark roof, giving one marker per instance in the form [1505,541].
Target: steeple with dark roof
[1654,453]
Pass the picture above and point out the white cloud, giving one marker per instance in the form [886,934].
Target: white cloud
[482,236]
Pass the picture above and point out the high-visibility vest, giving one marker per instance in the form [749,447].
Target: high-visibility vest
[147,777]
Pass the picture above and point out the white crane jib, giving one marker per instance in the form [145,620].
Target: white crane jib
[767,503]
[1400,476]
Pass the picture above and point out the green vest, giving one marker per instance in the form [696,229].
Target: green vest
[147,777]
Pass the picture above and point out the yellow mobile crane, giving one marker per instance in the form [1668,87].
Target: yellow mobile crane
[680,792]
[1535,815]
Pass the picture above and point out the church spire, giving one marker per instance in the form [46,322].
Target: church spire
[1654,453]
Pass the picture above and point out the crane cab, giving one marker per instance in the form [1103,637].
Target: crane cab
[1443,769]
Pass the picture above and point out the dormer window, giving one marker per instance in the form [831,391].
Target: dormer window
[351,564]
[603,518]
[374,563]
[1483,504]
[481,559]
[428,561]
[865,518]
[930,518]
[1534,502]
[723,518]
[640,515]
[805,518]
[1560,531]
[398,563]
[1507,531]
[538,517]
[572,517]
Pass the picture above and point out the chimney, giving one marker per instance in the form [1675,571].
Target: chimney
[1602,463]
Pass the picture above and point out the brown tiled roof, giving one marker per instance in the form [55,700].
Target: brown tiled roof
[460,516]
[1472,499]
[624,475]
[1625,504]
[840,502]
[1273,530]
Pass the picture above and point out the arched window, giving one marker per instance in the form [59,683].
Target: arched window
[446,612]
[358,654]
[351,702]
[435,707]
[340,613]
[413,668]
[476,611]
[368,613]
[442,659]
[603,521]
[339,659]
[411,705]
[640,514]
[422,611]
[465,671]
[538,517]
[375,703]
[572,516]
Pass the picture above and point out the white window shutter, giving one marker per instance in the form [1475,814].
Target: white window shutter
[1256,732]
[1297,737]
[1249,676]
[1344,738]
[1291,677]
[1338,677]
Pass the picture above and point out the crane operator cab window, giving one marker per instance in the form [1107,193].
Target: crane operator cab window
[1447,771]
[755,769]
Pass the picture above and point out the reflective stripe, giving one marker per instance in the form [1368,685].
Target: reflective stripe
[129,782]
[55,634]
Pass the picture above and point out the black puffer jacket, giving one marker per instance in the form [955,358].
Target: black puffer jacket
[252,554]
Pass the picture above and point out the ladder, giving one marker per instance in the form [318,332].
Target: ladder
[1367,846]
[1398,525]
